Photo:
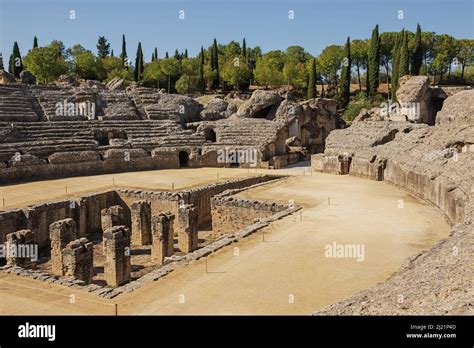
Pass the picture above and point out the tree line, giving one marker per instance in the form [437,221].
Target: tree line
[367,63]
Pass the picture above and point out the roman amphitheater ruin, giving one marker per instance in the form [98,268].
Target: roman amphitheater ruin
[113,241]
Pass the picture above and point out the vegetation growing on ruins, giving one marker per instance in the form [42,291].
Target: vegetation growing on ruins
[234,66]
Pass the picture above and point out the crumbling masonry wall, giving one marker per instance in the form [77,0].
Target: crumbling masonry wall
[21,239]
[117,267]
[112,216]
[231,213]
[162,237]
[61,233]
[85,211]
[141,222]
[78,260]
[187,228]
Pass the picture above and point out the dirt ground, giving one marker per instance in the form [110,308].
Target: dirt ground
[281,269]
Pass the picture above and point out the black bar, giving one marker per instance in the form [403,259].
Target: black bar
[261,330]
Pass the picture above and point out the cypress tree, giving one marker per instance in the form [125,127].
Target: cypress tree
[176,54]
[244,50]
[374,62]
[215,54]
[345,87]
[112,53]
[186,53]
[395,60]
[403,64]
[417,57]
[139,63]
[123,55]
[201,82]
[1,62]
[167,55]
[312,92]
[103,47]
[156,53]
[35,42]
[15,63]
[152,56]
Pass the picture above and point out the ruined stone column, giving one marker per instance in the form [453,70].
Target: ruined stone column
[187,228]
[78,260]
[141,222]
[117,267]
[60,233]
[23,249]
[162,237]
[112,216]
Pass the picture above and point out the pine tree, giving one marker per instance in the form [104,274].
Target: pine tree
[201,82]
[35,42]
[312,91]
[374,62]
[103,47]
[345,87]
[417,57]
[395,60]
[123,55]
[139,64]
[244,50]
[1,62]
[403,64]
[215,64]
[15,66]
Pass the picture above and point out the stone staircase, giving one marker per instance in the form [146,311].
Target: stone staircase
[17,104]
[45,138]
[117,105]
[246,132]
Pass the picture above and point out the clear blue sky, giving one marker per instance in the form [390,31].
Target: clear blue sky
[317,23]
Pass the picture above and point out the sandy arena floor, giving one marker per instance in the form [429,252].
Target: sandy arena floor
[281,269]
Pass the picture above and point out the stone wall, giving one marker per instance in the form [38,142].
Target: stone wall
[231,213]
[201,196]
[85,211]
